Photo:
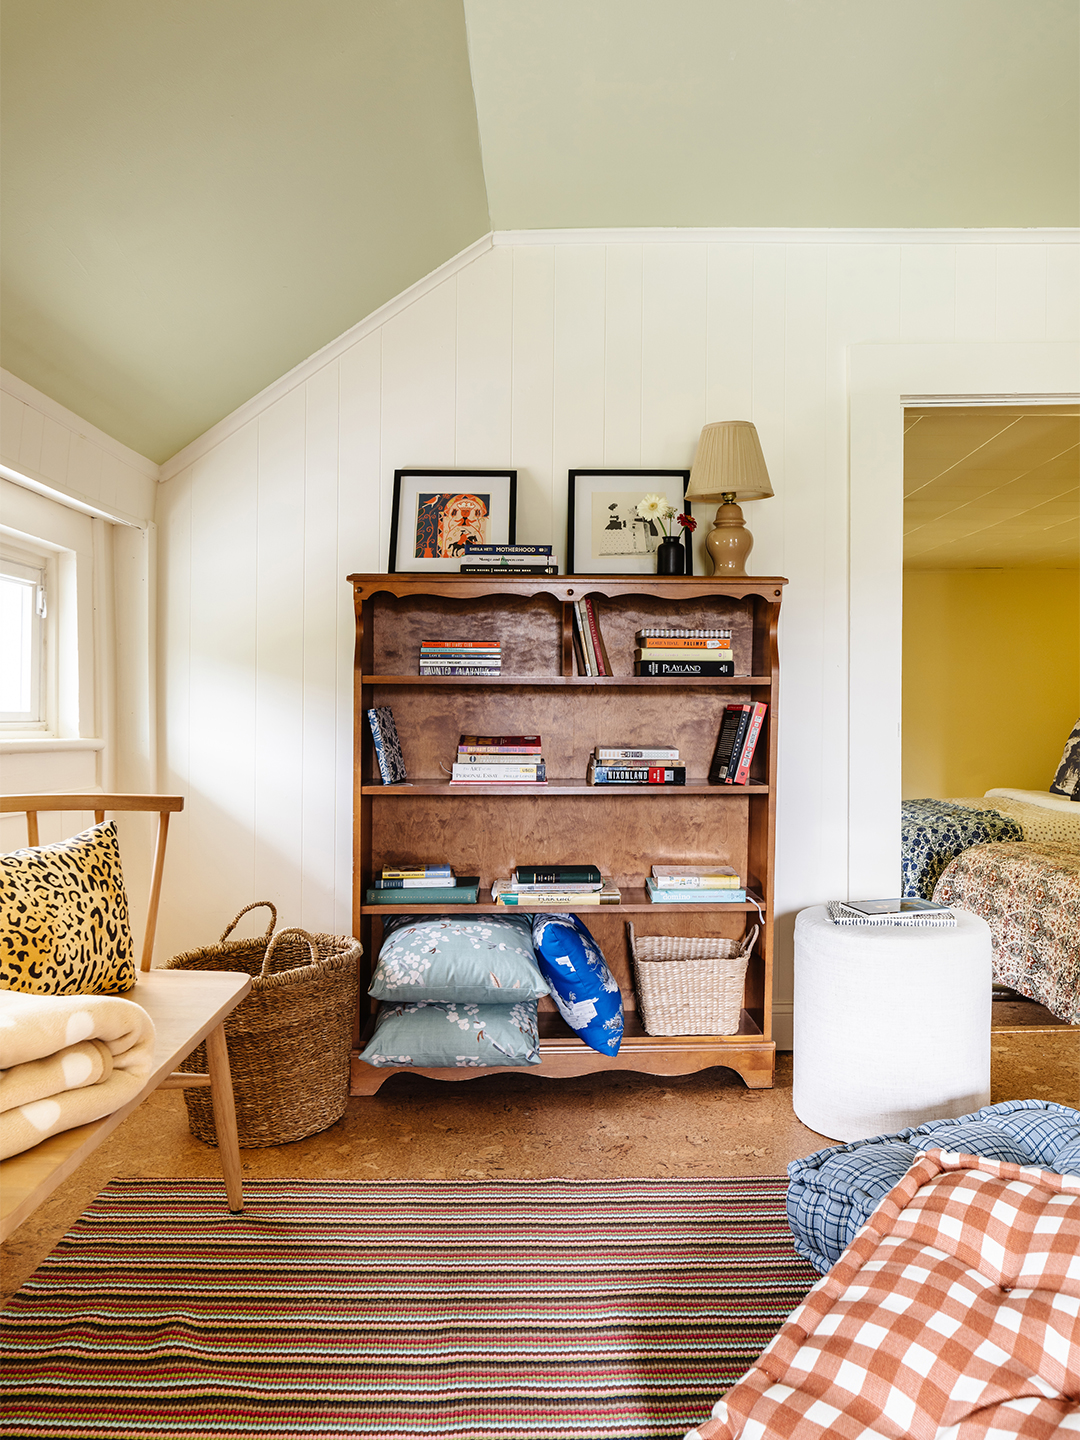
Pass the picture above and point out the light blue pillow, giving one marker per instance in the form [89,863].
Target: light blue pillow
[582,986]
[485,960]
[460,1036]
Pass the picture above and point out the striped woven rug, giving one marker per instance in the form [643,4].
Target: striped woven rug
[482,1310]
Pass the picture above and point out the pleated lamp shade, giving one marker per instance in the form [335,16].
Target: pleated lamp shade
[729,462]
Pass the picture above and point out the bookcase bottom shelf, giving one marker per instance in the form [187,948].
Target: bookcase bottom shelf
[563,1056]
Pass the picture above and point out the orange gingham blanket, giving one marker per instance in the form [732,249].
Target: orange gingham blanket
[953,1314]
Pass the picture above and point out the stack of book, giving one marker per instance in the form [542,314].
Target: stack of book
[460,657]
[423,885]
[588,641]
[508,560]
[736,743]
[663,652]
[563,887]
[499,760]
[635,765]
[694,885]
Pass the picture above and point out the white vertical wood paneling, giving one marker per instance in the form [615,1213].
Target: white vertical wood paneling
[673,341]
[927,292]
[224,677]
[184,912]
[1021,292]
[322,584]
[976,292]
[533,395]
[1062,292]
[544,356]
[578,386]
[622,357]
[279,655]
[484,362]
[359,549]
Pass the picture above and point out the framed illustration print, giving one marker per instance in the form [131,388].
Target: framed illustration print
[436,513]
[604,533]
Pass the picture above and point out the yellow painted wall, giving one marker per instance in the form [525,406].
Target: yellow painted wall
[991,678]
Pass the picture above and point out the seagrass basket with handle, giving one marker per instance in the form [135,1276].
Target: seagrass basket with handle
[690,985]
[289,1039]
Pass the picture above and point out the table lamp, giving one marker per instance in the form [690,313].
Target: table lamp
[729,467]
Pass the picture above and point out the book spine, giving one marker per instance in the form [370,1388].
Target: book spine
[558,874]
[500,772]
[509,746]
[604,754]
[463,759]
[569,899]
[746,754]
[721,652]
[663,632]
[415,872]
[441,645]
[491,570]
[434,895]
[672,669]
[650,641]
[634,775]
[698,897]
[694,882]
[600,649]
[403,884]
[380,754]
[507,549]
[594,666]
[579,643]
[479,671]
[736,718]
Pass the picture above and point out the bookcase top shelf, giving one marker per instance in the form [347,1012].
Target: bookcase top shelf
[634,901]
[568,587]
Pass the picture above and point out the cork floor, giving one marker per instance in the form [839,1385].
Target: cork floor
[519,1126]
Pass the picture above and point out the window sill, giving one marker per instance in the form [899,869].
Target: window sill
[27,744]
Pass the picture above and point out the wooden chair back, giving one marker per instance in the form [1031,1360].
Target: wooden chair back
[162,805]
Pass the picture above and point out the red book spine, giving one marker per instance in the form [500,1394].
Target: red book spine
[594,631]
[753,730]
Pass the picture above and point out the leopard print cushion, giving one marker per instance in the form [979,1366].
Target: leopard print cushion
[64,926]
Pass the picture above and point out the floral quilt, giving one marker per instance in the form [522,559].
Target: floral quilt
[1029,895]
[934,831]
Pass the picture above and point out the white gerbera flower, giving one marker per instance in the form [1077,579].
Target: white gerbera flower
[651,507]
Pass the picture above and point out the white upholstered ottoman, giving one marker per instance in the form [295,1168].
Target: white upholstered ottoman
[891,1023]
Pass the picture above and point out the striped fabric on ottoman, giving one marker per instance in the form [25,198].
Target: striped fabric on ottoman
[832,1192]
[952,1314]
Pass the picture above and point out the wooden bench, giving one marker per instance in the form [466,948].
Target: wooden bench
[186,1007]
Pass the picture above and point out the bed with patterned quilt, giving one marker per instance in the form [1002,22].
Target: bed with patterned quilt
[1013,858]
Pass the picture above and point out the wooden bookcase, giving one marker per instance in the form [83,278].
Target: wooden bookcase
[487,830]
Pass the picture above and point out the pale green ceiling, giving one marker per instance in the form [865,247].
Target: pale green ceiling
[200,193]
[778,112]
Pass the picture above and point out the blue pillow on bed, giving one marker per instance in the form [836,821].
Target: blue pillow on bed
[582,986]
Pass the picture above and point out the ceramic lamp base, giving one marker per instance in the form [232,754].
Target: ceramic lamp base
[729,543]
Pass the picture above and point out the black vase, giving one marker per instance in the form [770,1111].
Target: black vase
[670,556]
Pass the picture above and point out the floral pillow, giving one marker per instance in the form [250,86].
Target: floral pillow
[486,960]
[456,1035]
[582,986]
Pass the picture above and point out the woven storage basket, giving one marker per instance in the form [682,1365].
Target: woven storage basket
[289,1039]
[690,986]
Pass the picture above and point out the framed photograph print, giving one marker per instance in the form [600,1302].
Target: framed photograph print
[436,513]
[604,533]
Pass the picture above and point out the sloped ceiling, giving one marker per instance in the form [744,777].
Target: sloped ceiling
[200,193]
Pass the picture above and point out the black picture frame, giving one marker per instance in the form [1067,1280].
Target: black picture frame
[581,489]
[407,524]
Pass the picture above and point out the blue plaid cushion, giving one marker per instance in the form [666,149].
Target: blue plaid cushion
[832,1192]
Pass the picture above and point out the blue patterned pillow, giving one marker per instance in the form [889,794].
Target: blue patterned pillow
[459,1036]
[479,959]
[582,986]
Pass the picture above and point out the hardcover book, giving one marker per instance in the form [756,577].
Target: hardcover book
[471,550]
[617,753]
[696,877]
[729,741]
[500,744]
[636,775]
[465,892]
[739,764]
[660,896]
[388,754]
[414,872]
[648,641]
[503,893]
[557,874]
[672,669]
[652,632]
[508,569]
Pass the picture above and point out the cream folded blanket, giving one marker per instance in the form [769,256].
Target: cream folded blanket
[66,1060]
